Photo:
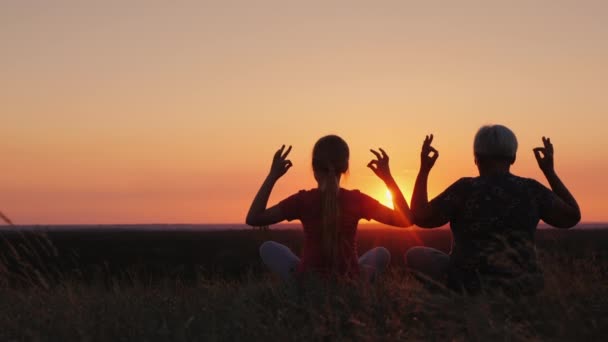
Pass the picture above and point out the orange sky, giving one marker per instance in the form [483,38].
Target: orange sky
[163,112]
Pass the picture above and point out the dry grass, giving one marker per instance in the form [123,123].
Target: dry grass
[574,306]
[215,306]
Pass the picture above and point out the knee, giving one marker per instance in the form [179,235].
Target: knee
[383,256]
[414,257]
[266,248]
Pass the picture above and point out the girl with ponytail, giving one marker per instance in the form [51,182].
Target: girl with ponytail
[329,215]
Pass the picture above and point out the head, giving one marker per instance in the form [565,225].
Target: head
[495,147]
[329,161]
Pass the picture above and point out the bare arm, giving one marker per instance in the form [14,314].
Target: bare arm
[421,210]
[565,212]
[401,215]
[258,215]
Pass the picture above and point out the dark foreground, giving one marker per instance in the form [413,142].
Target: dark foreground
[211,286]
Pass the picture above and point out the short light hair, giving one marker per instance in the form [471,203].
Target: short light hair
[495,142]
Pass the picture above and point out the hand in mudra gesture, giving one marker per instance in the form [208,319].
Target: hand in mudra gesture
[544,156]
[380,165]
[428,154]
[280,163]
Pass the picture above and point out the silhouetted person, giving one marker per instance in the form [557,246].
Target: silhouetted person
[493,218]
[329,216]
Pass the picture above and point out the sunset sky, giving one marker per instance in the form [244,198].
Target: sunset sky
[169,111]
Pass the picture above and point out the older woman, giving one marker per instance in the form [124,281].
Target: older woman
[493,217]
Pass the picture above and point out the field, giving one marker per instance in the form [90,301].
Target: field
[188,285]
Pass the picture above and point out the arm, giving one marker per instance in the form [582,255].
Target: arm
[400,216]
[421,210]
[565,212]
[258,215]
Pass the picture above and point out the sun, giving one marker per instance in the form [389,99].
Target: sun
[389,199]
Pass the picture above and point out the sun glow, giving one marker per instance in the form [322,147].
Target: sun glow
[388,199]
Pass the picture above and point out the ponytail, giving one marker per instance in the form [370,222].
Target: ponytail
[330,217]
[329,161]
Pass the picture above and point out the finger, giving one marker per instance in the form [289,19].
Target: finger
[434,155]
[288,165]
[425,142]
[384,155]
[548,146]
[278,153]
[537,153]
[376,154]
[286,152]
[431,151]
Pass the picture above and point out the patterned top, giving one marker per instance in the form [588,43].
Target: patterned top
[493,221]
[306,207]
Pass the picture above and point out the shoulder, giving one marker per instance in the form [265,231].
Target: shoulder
[529,182]
[349,192]
[355,195]
[307,192]
[456,190]
[464,183]
[466,180]
[293,204]
[534,189]
[301,195]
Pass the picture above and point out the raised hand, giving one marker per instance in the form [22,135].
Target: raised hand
[380,165]
[544,156]
[428,154]
[280,163]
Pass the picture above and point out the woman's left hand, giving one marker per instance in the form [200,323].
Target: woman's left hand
[380,165]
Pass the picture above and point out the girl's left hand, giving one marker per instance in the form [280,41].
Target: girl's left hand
[280,163]
[380,165]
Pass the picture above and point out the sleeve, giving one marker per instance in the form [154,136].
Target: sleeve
[447,202]
[291,207]
[543,197]
[367,205]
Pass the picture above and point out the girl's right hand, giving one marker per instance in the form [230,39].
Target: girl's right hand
[428,154]
[380,165]
[280,164]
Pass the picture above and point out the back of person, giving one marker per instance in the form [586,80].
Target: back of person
[306,207]
[494,225]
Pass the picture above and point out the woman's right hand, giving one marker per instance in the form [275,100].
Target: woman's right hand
[280,163]
[428,154]
[544,156]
